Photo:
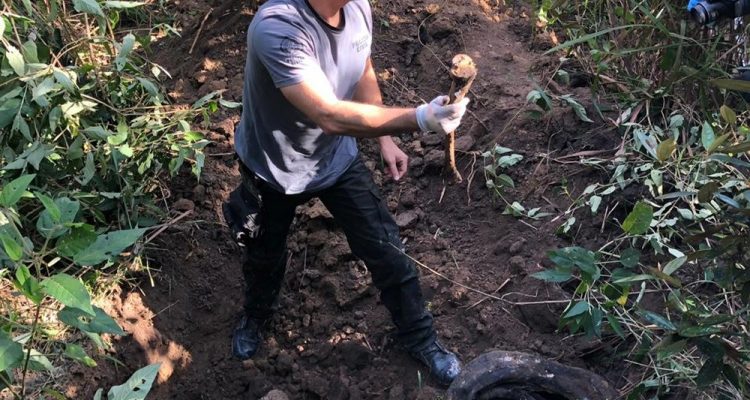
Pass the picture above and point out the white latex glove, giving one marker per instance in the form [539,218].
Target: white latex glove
[439,116]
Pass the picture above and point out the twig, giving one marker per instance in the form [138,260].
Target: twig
[164,309]
[446,277]
[528,224]
[28,353]
[501,287]
[166,225]
[230,153]
[471,178]
[200,29]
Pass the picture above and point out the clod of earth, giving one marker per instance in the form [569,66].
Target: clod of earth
[463,71]
[501,375]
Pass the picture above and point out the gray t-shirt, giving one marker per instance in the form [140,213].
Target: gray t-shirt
[287,43]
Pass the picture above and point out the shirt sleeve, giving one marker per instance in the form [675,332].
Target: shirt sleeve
[285,50]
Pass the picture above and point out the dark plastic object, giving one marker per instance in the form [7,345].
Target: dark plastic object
[503,375]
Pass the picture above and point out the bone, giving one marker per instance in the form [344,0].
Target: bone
[463,71]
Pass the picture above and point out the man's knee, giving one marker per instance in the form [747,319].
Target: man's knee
[255,257]
[391,269]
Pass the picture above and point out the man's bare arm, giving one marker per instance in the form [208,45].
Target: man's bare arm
[315,98]
[368,92]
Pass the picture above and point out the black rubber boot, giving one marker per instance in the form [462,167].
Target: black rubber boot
[246,339]
[443,364]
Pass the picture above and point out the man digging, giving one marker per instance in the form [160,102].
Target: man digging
[310,91]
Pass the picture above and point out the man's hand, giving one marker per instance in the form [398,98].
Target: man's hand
[441,117]
[396,161]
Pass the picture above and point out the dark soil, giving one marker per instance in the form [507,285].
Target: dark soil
[331,337]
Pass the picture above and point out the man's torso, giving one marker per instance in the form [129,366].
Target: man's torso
[274,139]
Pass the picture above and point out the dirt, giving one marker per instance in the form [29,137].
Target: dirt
[331,339]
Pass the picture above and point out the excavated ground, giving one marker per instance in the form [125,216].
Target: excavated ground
[331,338]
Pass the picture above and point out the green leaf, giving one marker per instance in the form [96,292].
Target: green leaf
[634,278]
[553,275]
[89,169]
[193,136]
[731,375]
[736,149]
[38,94]
[51,228]
[595,202]
[505,181]
[229,104]
[11,352]
[38,361]
[570,257]
[76,241]
[20,125]
[62,77]
[68,291]
[28,285]
[88,7]
[699,331]
[630,257]
[728,115]
[509,161]
[639,220]
[668,350]
[8,112]
[718,142]
[77,353]
[717,319]
[540,98]
[577,108]
[125,150]
[121,136]
[706,193]
[707,135]
[15,59]
[709,372]
[615,325]
[99,323]
[665,149]
[657,320]
[674,265]
[13,191]
[149,87]
[123,4]
[49,205]
[11,247]
[577,309]
[98,133]
[732,84]
[137,387]
[108,246]
[125,49]
[30,52]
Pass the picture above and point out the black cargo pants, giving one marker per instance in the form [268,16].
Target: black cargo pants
[356,205]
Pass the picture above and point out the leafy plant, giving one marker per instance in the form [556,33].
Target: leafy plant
[495,161]
[86,137]
[672,284]
[136,387]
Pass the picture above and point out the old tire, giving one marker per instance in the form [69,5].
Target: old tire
[501,375]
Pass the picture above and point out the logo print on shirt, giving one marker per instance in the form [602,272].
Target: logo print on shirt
[362,43]
[293,50]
